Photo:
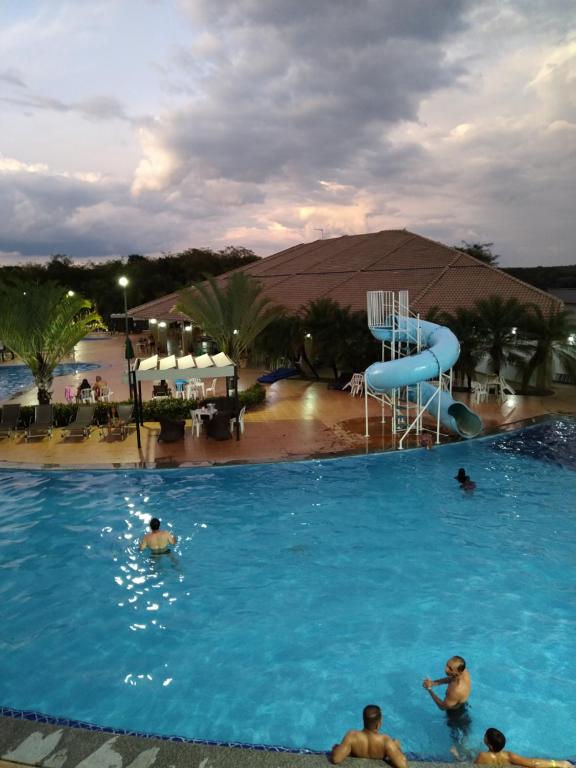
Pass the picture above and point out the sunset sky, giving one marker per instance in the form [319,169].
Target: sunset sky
[149,126]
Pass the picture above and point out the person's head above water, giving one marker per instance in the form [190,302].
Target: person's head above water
[372,716]
[461,476]
[455,666]
[494,740]
[155,524]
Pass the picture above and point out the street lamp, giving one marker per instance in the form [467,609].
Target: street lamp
[128,351]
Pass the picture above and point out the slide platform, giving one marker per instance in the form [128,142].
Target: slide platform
[442,351]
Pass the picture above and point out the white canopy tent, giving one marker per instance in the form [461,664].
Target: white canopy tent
[173,368]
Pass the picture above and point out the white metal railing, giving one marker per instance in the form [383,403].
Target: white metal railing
[380,308]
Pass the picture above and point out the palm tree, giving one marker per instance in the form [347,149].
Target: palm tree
[339,337]
[42,324]
[464,324]
[233,315]
[498,320]
[282,339]
[548,340]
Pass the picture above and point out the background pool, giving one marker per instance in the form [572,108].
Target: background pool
[298,593]
[18,378]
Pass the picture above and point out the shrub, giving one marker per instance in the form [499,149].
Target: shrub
[171,408]
[253,396]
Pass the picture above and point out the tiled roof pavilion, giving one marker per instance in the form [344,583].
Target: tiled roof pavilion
[345,268]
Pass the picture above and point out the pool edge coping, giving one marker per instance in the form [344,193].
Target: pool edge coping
[344,454]
[27,722]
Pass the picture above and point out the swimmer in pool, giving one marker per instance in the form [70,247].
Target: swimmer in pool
[458,682]
[454,701]
[369,743]
[461,476]
[497,755]
[157,541]
[465,483]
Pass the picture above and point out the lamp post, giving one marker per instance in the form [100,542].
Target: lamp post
[163,336]
[128,352]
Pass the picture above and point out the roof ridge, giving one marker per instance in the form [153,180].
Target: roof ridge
[366,269]
[393,250]
[435,280]
[493,268]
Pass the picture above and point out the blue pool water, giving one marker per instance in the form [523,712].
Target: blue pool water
[18,378]
[298,593]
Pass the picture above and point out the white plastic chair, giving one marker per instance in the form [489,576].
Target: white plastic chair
[479,392]
[211,390]
[105,394]
[356,384]
[196,422]
[198,386]
[86,396]
[240,419]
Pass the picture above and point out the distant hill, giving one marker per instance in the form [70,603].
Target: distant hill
[546,278]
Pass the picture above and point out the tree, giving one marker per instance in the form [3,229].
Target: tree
[548,340]
[340,338]
[233,314]
[42,324]
[282,339]
[496,320]
[480,251]
[465,325]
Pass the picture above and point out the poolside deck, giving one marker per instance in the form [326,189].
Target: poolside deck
[300,419]
[23,742]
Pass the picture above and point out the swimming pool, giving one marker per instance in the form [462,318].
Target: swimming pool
[18,378]
[300,592]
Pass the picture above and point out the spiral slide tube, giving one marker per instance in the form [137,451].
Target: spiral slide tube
[442,351]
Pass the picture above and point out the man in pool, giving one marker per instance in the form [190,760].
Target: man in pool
[157,541]
[369,743]
[497,755]
[455,698]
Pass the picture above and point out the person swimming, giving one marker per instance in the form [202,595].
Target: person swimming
[157,541]
[465,482]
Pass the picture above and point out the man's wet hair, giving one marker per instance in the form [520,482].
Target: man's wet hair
[460,663]
[155,524]
[371,714]
[495,739]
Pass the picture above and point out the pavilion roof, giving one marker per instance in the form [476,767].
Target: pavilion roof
[345,268]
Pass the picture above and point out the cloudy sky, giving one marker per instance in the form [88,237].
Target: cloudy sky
[143,126]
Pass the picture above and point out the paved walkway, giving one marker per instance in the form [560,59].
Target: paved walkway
[31,743]
[299,420]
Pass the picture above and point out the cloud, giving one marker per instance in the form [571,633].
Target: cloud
[260,122]
[96,108]
[301,90]
[12,77]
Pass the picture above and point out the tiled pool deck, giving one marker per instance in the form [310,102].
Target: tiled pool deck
[300,419]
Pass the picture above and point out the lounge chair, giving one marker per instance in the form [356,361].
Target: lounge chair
[43,422]
[10,419]
[120,425]
[81,425]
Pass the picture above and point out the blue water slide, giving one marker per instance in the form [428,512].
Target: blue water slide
[442,351]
